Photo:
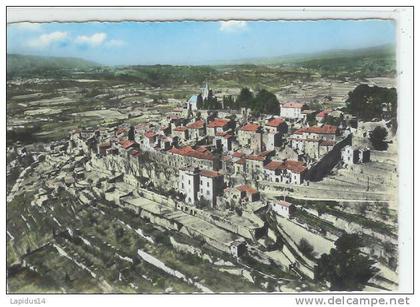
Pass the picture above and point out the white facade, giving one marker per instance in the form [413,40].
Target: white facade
[283,176]
[351,156]
[224,142]
[291,111]
[211,185]
[192,103]
[282,208]
[273,140]
[188,184]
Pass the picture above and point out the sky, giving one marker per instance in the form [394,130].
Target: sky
[193,42]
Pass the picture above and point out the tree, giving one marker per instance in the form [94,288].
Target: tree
[131,133]
[368,102]
[266,102]
[310,119]
[377,137]
[345,268]
[229,103]
[245,98]
[306,248]
[335,121]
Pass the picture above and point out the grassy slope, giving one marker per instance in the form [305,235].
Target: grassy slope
[26,65]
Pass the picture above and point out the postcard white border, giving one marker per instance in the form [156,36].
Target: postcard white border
[405,92]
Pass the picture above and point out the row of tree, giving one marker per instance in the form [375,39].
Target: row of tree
[345,267]
[261,102]
[369,102]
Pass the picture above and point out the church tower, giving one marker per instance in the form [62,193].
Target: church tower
[205,92]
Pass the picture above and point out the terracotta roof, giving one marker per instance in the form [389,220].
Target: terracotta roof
[226,158]
[275,122]
[325,129]
[221,133]
[135,153]
[196,125]
[299,131]
[149,134]
[283,203]
[105,144]
[266,153]
[127,144]
[181,128]
[274,165]
[291,165]
[240,161]
[323,114]
[304,140]
[238,154]
[202,149]
[255,158]
[251,127]
[294,105]
[188,151]
[327,143]
[246,188]
[211,174]
[218,122]
[295,166]
[121,130]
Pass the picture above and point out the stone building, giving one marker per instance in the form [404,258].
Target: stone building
[288,171]
[351,155]
[186,156]
[218,125]
[250,135]
[292,110]
[189,183]
[223,140]
[283,208]
[197,130]
[211,185]
[314,141]
[246,192]
[181,132]
[275,129]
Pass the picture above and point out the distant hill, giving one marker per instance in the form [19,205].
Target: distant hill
[383,50]
[19,65]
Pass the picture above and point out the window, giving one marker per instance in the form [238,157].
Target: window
[208,192]
[208,184]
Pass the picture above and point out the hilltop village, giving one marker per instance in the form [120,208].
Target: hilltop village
[264,190]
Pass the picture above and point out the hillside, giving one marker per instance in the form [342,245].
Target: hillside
[357,64]
[384,50]
[28,65]
[337,64]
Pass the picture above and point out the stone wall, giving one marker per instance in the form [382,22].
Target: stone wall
[322,168]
